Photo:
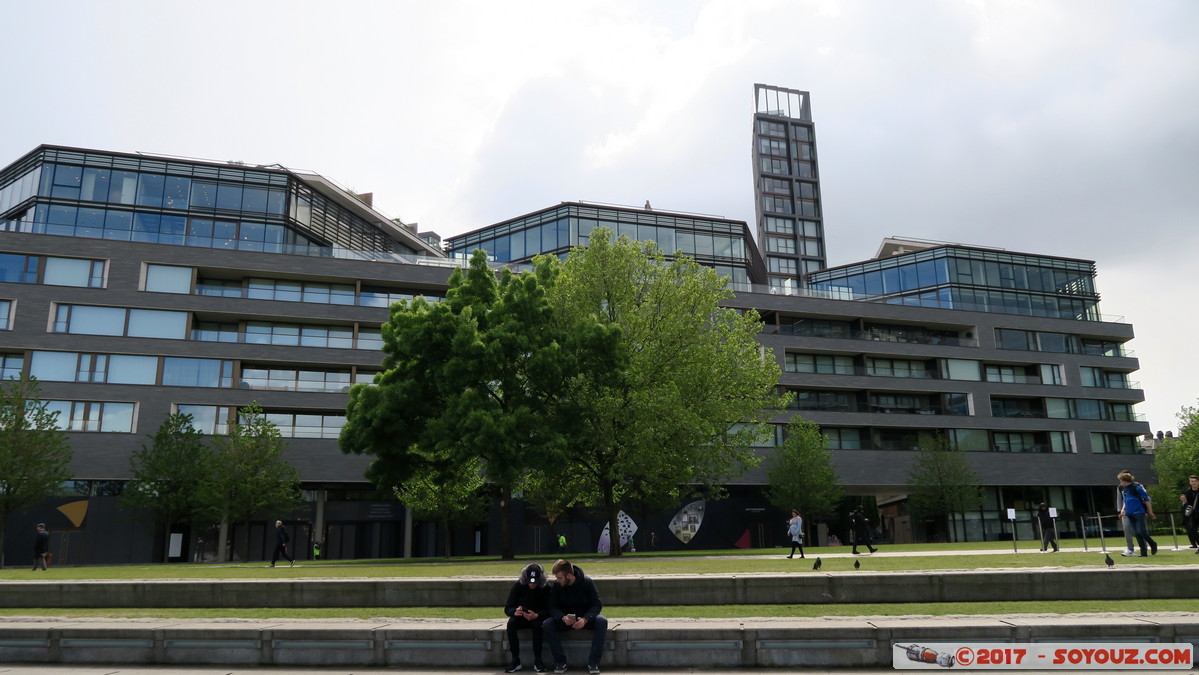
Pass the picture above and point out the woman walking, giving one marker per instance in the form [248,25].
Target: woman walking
[795,529]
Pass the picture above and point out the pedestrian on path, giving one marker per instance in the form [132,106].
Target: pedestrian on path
[281,540]
[41,547]
[1190,511]
[1136,504]
[860,527]
[1048,536]
[795,529]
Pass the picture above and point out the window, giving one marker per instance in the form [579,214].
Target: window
[291,379]
[1007,338]
[90,320]
[307,425]
[11,366]
[780,225]
[968,440]
[83,367]
[209,419]
[1015,442]
[74,272]
[212,331]
[842,439]
[19,269]
[1050,373]
[828,401]
[781,265]
[1115,444]
[780,245]
[819,363]
[5,314]
[168,279]
[898,368]
[960,369]
[184,372]
[96,416]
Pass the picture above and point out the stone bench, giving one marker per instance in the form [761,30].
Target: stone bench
[683,643]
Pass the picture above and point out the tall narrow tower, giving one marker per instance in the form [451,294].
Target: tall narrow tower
[787,186]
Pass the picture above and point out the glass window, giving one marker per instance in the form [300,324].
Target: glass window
[1012,339]
[16,268]
[11,366]
[369,339]
[1050,374]
[168,279]
[183,372]
[69,272]
[149,189]
[117,417]
[780,245]
[53,366]
[5,314]
[89,320]
[203,195]
[95,185]
[228,197]
[253,199]
[960,369]
[157,324]
[122,187]
[127,369]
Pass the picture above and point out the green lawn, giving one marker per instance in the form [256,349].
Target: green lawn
[738,561]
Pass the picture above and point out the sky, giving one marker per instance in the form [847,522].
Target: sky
[1066,127]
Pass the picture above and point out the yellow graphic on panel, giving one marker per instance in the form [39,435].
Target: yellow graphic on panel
[75,511]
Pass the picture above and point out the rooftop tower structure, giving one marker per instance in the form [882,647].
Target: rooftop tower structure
[787,186]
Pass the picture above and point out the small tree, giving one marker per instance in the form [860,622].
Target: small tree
[449,493]
[801,474]
[173,478]
[35,454]
[252,475]
[941,481]
[1176,459]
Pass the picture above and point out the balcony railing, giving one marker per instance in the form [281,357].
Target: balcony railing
[873,336]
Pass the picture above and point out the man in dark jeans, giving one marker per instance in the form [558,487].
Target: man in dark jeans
[574,605]
[281,540]
[41,546]
[527,607]
[860,527]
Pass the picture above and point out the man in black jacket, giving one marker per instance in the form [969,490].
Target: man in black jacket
[861,530]
[41,546]
[575,605]
[281,540]
[527,606]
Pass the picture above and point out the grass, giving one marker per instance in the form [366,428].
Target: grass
[737,561]
[618,613]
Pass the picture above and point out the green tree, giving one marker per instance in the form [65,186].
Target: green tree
[477,376]
[35,454]
[251,474]
[1176,459]
[801,474]
[448,493]
[665,412]
[941,481]
[173,478]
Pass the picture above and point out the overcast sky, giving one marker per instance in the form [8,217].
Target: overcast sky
[1065,128]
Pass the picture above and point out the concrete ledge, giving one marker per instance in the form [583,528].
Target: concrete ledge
[751,643]
[1040,584]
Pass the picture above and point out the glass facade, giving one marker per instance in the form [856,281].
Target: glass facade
[972,279]
[787,185]
[91,194]
[713,242]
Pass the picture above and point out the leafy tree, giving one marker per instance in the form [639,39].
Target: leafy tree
[173,478]
[252,475]
[1176,459]
[449,493]
[941,481]
[664,412]
[477,376]
[34,452]
[801,474]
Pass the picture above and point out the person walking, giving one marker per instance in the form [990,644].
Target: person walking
[281,540]
[561,544]
[527,607]
[1136,504]
[41,547]
[1190,511]
[1048,536]
[860,527]
[795,529]
[575,605]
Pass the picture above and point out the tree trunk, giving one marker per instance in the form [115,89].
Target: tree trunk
[222,553]
[613,524]
[449,536]
[3,530]
[506,523]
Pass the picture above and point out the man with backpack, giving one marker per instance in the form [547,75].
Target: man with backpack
[1135,504]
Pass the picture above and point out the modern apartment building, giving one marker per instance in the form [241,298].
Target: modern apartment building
[133,286]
